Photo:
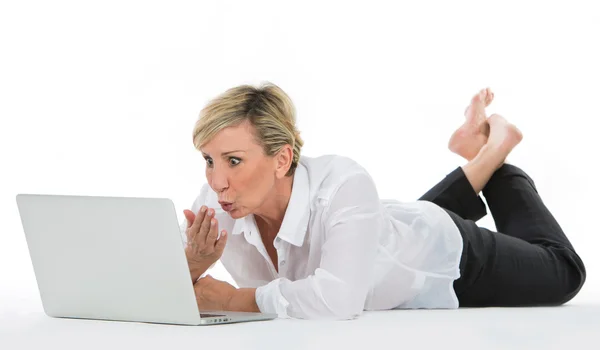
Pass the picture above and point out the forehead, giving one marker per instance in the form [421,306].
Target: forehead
[239,137]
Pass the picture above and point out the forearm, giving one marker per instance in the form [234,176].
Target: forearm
[243,299]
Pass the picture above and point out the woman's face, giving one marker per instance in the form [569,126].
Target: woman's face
[238,170]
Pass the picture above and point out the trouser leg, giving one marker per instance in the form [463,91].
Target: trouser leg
[455,193]
[531,262]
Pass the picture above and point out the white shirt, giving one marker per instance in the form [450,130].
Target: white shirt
[341,249]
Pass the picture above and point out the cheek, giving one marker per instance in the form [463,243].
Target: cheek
[252,189]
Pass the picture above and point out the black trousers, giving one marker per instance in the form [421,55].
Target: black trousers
[529,262]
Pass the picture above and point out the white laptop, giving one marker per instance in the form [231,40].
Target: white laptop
[113,258]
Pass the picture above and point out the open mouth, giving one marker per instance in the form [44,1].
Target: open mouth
[227,206]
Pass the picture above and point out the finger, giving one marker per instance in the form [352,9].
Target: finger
[192,231]
[205,227]
[220,246]
[190,217]
[198,220]
[211,237]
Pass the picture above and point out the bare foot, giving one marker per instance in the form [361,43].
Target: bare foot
[467,140]
[504,136]
[475,112]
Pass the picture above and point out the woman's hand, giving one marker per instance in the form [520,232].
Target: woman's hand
[212,294]
[203,248]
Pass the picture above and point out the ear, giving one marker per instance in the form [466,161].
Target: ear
[283,160]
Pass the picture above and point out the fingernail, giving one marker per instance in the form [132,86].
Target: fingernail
[203,209]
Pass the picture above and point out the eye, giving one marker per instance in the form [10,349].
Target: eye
[235,162]
[232,161]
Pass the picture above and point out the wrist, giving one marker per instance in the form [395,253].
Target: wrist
[243,299]
[197,268]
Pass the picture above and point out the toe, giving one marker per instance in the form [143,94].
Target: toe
[479,97]
[490,97]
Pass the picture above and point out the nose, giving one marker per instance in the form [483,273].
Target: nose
[218,179]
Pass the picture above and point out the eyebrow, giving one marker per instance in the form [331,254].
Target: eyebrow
[224,153]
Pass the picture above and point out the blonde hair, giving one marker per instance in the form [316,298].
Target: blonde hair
[267,107]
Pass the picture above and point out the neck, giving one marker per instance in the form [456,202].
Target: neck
[270,215]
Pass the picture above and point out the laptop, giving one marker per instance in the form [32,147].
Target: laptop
[113,258]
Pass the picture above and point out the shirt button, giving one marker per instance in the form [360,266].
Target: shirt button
[282,263]
[278,239]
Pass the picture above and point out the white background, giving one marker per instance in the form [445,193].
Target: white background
[100,98]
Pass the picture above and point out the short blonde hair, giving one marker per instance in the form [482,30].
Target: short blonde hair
[267,107]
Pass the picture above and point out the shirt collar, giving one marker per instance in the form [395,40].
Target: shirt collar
[295,221]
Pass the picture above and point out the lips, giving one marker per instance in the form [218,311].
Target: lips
[226,206]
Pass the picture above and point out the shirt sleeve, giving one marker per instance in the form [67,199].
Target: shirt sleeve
[340,285]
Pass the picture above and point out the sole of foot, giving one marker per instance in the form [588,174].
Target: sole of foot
[504,136]
[469,138]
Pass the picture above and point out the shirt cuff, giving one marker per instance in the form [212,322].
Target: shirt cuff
[270,300]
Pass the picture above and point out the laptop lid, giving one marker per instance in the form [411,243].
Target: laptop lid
[111,258]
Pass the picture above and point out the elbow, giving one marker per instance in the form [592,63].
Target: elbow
[345,305]
[348,311]
[341,299]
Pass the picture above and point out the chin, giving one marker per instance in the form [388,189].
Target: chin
[235,214]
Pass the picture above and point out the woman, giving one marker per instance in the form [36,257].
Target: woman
[310,238]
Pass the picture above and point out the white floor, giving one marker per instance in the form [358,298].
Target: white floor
[23,325]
